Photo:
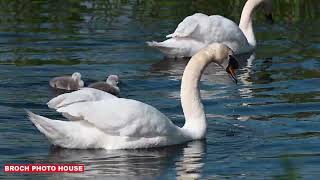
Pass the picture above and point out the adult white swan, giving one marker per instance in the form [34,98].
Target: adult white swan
[118,123]
[197,31]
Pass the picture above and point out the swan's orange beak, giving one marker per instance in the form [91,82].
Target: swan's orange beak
[231,69]
[232,74]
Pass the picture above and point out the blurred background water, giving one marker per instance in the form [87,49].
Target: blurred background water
[265,127]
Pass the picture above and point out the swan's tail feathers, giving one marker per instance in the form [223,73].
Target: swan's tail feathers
[169,35]
[168,48]
[161,45]
[67,134]
[45,125]
[153,44]
[178,35]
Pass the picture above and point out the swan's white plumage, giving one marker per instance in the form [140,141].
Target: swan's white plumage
[204,30]
[178,47]
[110,124]
[189,27]
[82,95]
[104,121]
[68,134]
[123,117]
[198,31]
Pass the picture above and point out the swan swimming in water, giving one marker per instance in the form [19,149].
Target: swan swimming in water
[118,123]
[197,31]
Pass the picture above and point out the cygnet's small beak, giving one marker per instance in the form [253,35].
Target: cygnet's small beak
[231,69]
[269,18]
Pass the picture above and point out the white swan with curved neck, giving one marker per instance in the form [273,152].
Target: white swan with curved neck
[199,30]
[118,123]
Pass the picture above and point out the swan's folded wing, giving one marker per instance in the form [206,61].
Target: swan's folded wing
[188,26]
[122,117]
[227,32]
[184,29]
[82,95]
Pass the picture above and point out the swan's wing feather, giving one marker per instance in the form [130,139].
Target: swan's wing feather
[124,117]
[82,95]
[209,29]
[178,47]
[204,30]
[184,29]
[188,26]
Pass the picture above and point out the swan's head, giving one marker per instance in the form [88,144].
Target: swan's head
[76,76]
[113,80]
[267,8]
[223,56]
[264,5]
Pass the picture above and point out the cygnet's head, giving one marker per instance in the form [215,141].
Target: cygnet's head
[113,80]
[223,56]
[76,76]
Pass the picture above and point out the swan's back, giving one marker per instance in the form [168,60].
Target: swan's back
[82,95]
[114,123]
[193,27]
[199,30]
[225,31]
[210,29]
[122,117]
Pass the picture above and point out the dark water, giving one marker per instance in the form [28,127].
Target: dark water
[267,126]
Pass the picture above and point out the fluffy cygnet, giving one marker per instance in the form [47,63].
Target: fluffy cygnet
[109,86]
[69,83]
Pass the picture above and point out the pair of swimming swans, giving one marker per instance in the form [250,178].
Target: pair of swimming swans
[100,120]
[199,30]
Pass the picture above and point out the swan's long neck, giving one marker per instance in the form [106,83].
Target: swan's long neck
[246,20]
[196,123]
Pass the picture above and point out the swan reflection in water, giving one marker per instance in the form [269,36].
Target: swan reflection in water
[186,160]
